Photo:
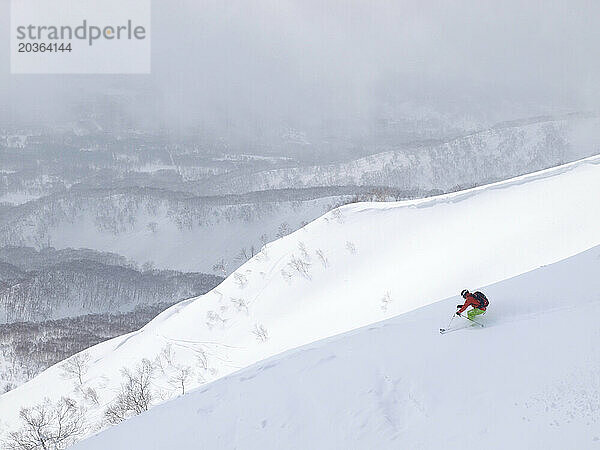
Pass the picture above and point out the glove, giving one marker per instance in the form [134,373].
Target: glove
[459,306]
[458,314]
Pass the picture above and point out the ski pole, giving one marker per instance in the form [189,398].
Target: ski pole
[450,323]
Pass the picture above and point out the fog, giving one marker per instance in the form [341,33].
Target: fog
[245,71]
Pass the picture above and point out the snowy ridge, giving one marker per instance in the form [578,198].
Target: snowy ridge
[356,265]
[485,155]
[517,383]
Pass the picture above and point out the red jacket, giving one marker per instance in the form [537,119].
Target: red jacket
[470,301]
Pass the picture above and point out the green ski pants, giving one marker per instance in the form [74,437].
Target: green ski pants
[474,312]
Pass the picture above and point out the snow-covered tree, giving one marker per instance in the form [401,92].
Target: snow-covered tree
[135,395]
[48,426]
[76,367]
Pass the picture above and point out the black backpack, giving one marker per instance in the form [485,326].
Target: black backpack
[482,299]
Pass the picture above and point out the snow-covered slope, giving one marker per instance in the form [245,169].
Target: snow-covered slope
[352,267]
[529,380]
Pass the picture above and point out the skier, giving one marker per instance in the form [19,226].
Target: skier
[477,300]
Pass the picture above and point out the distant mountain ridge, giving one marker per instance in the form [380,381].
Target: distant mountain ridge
[503,151]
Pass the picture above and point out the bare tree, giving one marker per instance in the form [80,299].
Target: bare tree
[386,300]
[177,375]
[220,266]
[181,377]
[301,266]
[242,256]
[303,251]
[164,358]
[322,258]
[202,359]
[48,426]
[284,230]
[338,215]
[241,304]
[260,332]
[76,367]
[90,395]
[213,318]
[264,239]
[135,395]
[241,280]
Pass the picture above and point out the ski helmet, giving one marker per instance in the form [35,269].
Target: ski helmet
[464,292]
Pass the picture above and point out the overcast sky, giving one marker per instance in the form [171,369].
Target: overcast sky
[240,66]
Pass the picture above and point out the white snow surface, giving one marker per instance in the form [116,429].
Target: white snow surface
[529,380]
[378,260]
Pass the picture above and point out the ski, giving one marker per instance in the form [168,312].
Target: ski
[472,320]
[475,322]
[448,330]
[444,331]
